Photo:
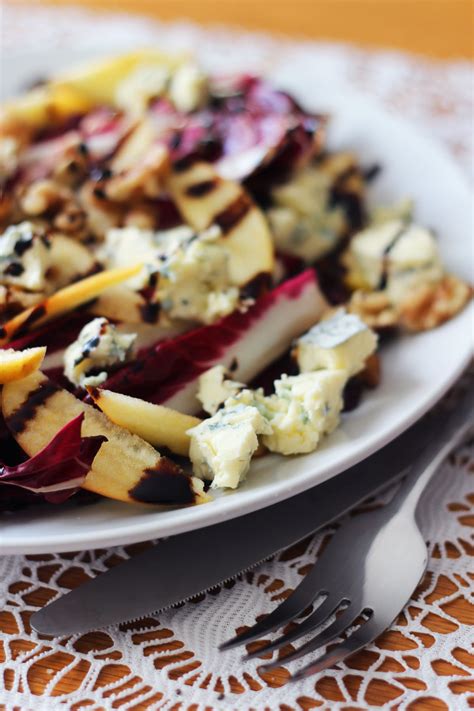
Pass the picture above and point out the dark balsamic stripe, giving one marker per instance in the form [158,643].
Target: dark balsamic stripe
[37,313]
[186,162]
[372,172]
[233,213]
[23,245]
[386,254]
[14,269]
[167,484]
[150,312]
[203,188]
[258,285]
[18,421]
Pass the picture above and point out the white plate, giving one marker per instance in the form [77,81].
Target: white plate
[417,369]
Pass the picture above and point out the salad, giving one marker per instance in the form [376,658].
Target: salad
[189,279]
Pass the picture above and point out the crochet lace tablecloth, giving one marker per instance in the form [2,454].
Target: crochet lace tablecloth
[171,661]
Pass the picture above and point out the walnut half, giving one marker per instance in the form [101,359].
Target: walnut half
[430,305]
[374,308]
[48,198]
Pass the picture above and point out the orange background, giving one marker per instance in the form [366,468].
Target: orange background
[438,28]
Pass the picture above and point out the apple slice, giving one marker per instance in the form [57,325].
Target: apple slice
[205,198]
[121,303]
[18,364]
[161,426]
[126,467]
[66,300]
[45,106]
[135,147]
[98,79]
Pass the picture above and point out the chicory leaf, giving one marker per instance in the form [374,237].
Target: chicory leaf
[59,469]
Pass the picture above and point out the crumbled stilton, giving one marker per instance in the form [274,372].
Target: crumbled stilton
[341,342]
[192,270]
[24,256]
[98,347]
[222,446]
[303,408]
[395,257]
[304,223]
[215,387]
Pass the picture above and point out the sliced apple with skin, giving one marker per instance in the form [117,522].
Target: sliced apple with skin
[121,303]
[80,89]
[45,106]
[161,426]
[66,300]
[98,79]
[135,148]
[205,198]
[126,467]
[15,365]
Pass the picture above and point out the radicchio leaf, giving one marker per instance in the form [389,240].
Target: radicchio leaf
[59,469]
[246,342]
[247,127]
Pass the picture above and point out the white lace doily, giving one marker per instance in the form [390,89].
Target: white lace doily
[171,661]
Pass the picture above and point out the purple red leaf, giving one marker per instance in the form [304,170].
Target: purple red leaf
[59,469]
[246,342]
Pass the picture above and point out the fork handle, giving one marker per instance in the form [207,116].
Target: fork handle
[445,437]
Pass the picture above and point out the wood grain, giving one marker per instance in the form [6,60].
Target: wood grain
[438,28]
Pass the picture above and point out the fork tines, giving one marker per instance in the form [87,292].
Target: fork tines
[333,609]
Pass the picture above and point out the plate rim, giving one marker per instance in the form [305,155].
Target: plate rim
[231,506]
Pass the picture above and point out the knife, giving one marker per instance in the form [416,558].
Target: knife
[186,565]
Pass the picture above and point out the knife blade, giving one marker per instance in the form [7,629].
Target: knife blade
[188,564]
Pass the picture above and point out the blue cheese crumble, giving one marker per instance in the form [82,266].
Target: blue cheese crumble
[194,280]
[98,347]
[191,270]
[303,221]
[303,409]
[393,257]
[341,342]
[293,420]
[222,446]
[215,387]
[24,257]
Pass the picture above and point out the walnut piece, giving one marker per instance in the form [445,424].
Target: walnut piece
[60,204]
[43,195]
[374,308]
[430,305]
[73,167]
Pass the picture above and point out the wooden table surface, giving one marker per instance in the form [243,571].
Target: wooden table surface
[437,28]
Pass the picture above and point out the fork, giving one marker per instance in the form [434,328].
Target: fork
[367,572]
